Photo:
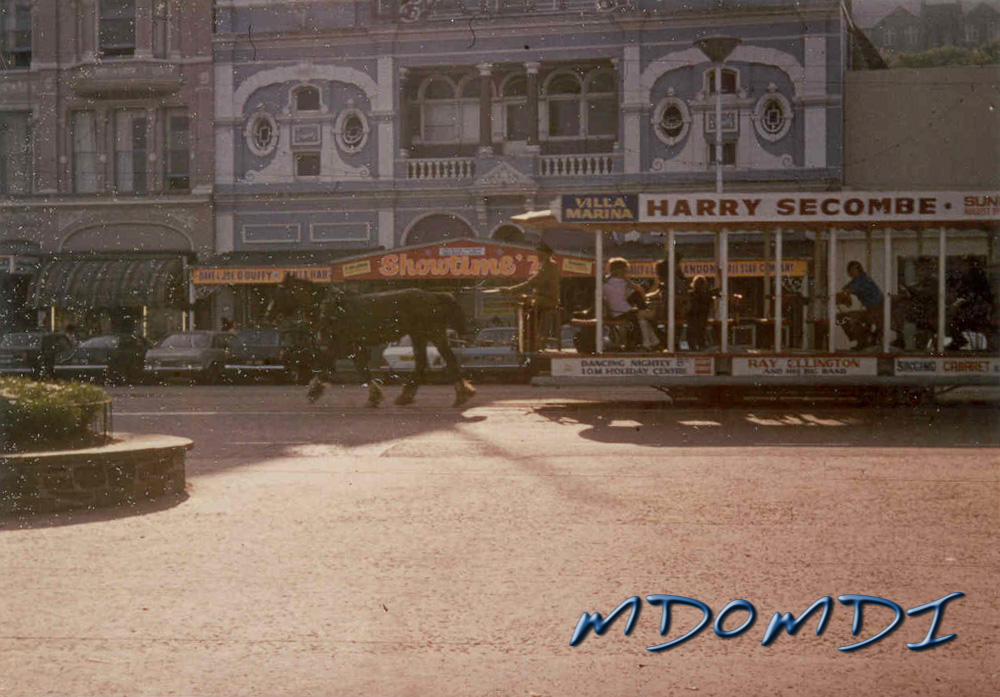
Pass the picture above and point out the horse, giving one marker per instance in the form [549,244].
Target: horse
[348,323]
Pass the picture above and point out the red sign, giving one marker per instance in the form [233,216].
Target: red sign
[470,259]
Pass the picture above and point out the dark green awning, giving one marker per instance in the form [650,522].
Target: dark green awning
[109,283]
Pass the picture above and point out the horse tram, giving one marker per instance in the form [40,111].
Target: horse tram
[888,295]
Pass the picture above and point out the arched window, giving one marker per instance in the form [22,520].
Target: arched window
[514,92]
[509,233]
[307,99]
[449,113]
[584,107]
[730,81]
[563,93]
[601,95]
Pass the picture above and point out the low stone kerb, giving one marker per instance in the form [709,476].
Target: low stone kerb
[130,469]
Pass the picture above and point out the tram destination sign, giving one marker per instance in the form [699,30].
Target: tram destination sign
[857,207]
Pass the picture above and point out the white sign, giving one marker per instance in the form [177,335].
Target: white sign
[633,366]
[805,366]
[926,365]
[873,207]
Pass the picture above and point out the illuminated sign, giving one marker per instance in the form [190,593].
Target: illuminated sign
[239,276]
[872,207]
[454,260]
[622,208]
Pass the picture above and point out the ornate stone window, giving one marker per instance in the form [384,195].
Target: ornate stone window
[581,105]
[773,115]
[671,119]
[449,111]
[351,129]
[306,98]
[261,134]
[514,92]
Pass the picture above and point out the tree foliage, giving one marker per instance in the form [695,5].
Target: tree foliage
[987,54]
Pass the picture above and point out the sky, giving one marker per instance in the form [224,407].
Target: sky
[868,12]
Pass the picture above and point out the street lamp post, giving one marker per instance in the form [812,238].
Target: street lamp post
[717,49]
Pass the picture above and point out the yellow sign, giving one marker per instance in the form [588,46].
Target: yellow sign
[239,276]
[738,268]
[357,268]
[578,266]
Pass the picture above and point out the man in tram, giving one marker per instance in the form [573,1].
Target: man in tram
[542,290]
[864,327]
[917,304]
[971,309]
[625,298]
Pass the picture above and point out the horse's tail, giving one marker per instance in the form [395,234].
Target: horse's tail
[453,315]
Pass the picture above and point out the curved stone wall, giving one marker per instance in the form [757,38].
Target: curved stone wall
[133,468]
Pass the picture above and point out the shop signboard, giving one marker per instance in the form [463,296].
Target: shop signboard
[241,276]
[613,367]
[457,259]
[917,366]
[805,366]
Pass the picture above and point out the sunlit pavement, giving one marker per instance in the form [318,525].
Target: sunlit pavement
[426,550]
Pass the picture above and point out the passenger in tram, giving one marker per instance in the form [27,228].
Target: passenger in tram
[699,309]
[917,304]
[971,306]
[864,327]
[625,298]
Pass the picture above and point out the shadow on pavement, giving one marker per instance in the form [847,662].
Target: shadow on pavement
[27,521]
[659,424]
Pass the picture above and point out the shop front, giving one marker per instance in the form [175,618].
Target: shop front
[105,294]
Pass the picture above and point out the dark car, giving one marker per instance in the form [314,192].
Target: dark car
[32,353]
[299,354]
[110,358]
[256,353]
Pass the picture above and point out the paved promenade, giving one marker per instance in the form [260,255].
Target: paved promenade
[332,550]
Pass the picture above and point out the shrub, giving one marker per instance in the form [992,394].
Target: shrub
[47,415]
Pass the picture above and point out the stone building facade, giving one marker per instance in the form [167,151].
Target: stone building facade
[106,124]
[352,126]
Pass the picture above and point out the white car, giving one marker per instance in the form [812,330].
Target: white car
[493,352]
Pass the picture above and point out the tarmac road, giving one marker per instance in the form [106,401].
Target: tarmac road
[331,549]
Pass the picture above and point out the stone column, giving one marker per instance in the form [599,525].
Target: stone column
[485,109]
[405,127]
[143,28]
[87,31]
[532,87]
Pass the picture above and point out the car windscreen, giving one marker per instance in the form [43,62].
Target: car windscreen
[496,337]
[263,337]
[21,341]
[186,341]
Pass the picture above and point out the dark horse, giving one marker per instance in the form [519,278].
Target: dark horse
[346,324]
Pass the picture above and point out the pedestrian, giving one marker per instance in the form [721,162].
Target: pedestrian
[699,309]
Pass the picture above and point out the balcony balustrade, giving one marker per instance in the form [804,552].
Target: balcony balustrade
[575,165]
[441,168]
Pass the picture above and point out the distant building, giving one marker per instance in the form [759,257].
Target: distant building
[936,25]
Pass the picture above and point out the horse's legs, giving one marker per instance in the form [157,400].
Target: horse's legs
[322,373]
[464,391]
[420,358]
[362,365]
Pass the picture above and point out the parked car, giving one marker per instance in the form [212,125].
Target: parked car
[193,355]
[111,358]
[492,352]
[256,353]
[32,353]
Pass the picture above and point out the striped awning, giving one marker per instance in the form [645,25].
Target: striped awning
[109,283]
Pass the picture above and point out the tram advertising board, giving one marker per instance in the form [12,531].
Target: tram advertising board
[612,367]
[915,366]
[867,207]
[805,366]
